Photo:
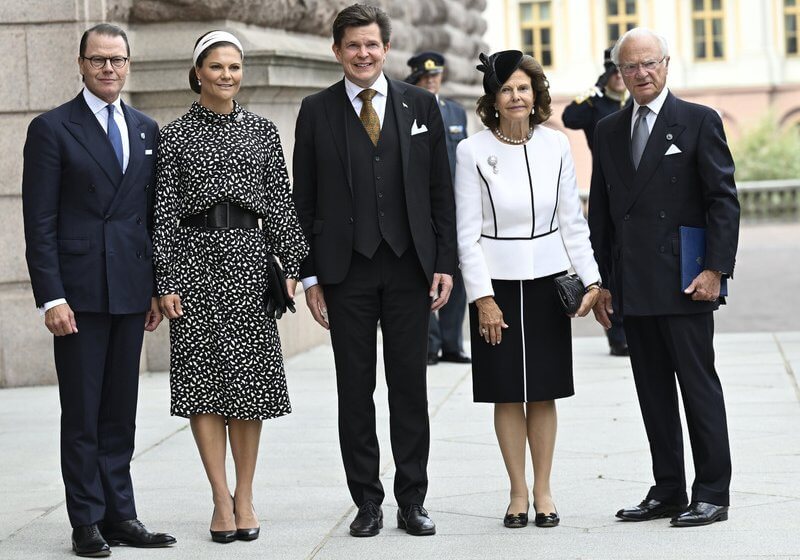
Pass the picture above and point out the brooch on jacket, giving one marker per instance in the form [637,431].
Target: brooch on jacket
[492,161]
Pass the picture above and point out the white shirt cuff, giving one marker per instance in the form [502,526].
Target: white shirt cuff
[309,282]
[50,304]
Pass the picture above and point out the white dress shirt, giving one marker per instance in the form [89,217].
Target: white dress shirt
[381,86]
[655,107]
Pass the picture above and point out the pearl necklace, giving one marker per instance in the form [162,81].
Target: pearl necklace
[505,138]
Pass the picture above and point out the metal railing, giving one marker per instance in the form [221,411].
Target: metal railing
[777,200]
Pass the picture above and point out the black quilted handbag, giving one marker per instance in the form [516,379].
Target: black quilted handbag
[570,292]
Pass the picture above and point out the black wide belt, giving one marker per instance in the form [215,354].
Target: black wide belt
[224,215]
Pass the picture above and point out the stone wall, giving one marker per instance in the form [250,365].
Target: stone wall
[289,56]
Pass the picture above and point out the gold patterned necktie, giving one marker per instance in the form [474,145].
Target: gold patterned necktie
[369,117]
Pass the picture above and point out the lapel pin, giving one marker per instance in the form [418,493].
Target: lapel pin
[492,161]
[142,135]
[669,136]
[404,105]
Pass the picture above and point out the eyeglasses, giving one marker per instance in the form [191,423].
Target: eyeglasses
[100,61]
[648,65]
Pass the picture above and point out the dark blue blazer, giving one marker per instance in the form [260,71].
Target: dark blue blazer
[455,129]
[87,226]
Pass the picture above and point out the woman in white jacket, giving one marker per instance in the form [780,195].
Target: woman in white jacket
[520,225]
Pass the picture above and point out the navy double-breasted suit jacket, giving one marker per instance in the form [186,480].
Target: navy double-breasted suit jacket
[685,178]
[87,226]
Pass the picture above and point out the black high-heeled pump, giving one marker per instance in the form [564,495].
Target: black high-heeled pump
[223,537]
[248,534]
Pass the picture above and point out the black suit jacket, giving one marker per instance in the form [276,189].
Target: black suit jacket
[323,189]
[634,214]
[87,226]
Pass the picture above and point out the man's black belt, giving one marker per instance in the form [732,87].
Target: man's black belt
[224,215]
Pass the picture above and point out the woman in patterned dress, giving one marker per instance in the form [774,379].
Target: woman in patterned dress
[220,170]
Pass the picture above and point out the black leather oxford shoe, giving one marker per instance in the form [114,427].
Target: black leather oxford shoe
[87,541]
[132,532]
[455,358]
[415,520]
[700,513]
[618,349]
[433,359]
[650,509]
[368,521]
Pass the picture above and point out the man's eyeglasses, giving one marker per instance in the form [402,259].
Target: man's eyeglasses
[648,65]
[100,61]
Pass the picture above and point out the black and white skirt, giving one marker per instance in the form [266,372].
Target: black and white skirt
[533,362]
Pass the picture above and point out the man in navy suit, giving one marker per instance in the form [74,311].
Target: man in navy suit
[373,193]
[87,185]
[659,164]
[445,332]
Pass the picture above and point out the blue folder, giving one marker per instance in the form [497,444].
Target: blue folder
[693,253]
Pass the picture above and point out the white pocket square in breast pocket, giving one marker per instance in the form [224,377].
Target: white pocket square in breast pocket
[148,152]
[672,150]
[418,129]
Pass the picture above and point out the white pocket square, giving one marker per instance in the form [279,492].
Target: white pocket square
[673,149]
[418,129]
[148,152]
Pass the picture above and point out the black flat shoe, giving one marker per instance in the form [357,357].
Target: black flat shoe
[700,513]
[547,519]
[650,509]
[248,534]
[89,543]
[368,521]
[132,532]
[516,520]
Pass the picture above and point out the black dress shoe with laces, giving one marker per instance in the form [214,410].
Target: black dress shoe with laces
[132,532]
[88,542]
[650,509]
[700,513]
[433,359]
[415,520]
[619,349]
[368,521]
[455,358]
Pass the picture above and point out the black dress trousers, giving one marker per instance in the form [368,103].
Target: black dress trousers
[391,290]
[662,348]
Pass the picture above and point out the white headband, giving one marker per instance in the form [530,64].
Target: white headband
[215,37]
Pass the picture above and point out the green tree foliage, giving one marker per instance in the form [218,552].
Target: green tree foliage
[765,152]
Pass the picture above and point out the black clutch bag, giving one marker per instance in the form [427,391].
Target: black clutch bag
[570,291]
[278,299]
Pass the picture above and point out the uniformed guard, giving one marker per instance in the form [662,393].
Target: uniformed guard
[607,96]
[444,331]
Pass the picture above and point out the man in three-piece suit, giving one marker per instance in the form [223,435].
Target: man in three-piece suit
[373,193]
[660,164]
[86,191]
[445,331]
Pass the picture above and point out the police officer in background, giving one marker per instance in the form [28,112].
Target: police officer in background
[607,96]
[444,331]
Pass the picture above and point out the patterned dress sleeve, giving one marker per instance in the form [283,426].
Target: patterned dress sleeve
[284,235]
[166,215]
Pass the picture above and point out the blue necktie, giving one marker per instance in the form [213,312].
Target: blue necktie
[114,136]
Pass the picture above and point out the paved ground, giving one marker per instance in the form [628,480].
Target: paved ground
[602,461]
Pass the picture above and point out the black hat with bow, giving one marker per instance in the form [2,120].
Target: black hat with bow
[497,68]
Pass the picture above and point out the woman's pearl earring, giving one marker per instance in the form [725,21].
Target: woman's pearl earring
[533,110]
[496,114]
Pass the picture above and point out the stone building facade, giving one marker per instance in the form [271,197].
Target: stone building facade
[288,56]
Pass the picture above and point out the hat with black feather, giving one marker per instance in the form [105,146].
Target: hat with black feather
[497,68]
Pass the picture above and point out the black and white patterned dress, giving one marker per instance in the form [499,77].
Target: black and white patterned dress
[225,352]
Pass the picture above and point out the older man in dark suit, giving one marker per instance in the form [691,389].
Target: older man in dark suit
[660,164]
[373,193]
[86,192]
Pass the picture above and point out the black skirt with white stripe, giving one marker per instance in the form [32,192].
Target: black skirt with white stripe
[533,362]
